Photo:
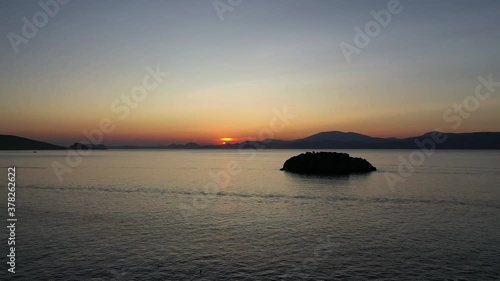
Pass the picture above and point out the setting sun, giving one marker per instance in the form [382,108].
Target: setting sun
[226,140]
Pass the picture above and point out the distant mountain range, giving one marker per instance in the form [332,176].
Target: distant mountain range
[342,140]
[324,140]
[18,143]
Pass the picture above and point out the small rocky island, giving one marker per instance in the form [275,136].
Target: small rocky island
[86,146]
[327,163]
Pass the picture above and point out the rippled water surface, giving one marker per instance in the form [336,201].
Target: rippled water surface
[226,215]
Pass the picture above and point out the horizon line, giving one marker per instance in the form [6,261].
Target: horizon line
[245,140]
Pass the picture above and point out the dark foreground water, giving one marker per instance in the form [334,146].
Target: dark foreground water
[183,215]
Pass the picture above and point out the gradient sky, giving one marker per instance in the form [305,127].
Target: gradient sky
[226,77]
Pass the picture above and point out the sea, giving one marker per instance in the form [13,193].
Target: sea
[233,215]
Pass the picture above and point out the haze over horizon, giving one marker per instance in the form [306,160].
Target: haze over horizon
[226,78]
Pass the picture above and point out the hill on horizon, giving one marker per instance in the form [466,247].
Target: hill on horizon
[9,142]
[342,136]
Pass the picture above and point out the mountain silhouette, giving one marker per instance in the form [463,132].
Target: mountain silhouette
[341,137]
[323,140]
[342,140]
[8,142]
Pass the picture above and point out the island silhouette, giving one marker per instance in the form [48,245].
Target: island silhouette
[327,163]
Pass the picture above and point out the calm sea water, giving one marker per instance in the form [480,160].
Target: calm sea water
[159,215]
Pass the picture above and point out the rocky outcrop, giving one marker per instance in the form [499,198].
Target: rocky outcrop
[327,163]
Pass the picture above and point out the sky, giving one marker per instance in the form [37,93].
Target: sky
[232,64]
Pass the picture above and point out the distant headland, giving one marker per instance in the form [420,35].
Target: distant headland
[18,143]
